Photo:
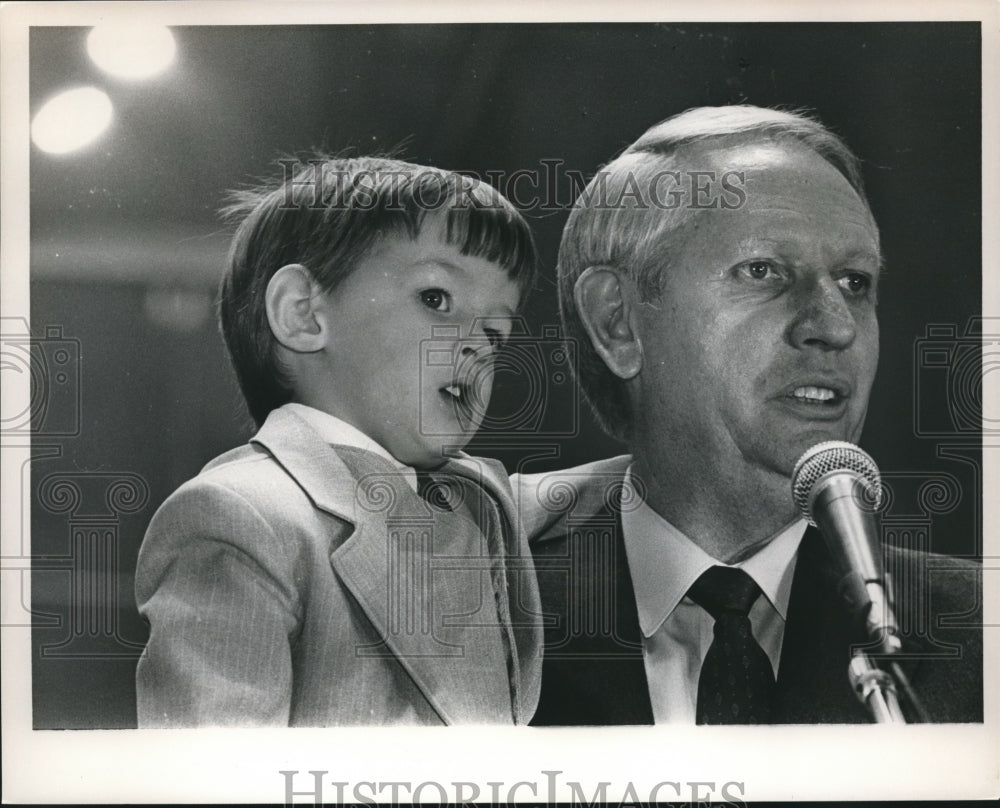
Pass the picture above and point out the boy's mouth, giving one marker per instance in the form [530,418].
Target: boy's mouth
[464,400]
[456,393]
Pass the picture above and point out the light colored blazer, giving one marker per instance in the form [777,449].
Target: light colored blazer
[283,588]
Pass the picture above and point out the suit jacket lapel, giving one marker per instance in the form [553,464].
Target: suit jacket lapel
[311,462]
[428,618]
[387,565]
[812,685]
[594,671]
[522,584]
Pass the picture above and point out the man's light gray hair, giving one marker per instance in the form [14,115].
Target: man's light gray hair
[621,220]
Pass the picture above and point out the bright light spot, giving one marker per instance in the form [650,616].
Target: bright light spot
[131,51]
[71,120]
[182,310]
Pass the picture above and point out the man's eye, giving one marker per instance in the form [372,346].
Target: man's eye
[856,283]
[759,270]
[437,299]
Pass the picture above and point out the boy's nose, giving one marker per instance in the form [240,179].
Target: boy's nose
[477,347]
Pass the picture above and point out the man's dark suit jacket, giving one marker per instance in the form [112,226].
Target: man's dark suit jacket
[593,670]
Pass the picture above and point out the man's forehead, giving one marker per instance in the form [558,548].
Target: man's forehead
[756,155]
[775,174]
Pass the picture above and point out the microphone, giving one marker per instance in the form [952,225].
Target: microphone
[837,488]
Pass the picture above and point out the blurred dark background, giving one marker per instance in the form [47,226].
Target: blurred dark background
[127,251]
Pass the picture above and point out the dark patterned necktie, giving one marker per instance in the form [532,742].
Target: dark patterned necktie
[736,682]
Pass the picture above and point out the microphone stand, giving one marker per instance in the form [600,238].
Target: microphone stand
[876,689]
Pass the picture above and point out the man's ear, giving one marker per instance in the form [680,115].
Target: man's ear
[605,302]
[291,299]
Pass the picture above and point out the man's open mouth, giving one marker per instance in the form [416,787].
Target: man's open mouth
[816,395]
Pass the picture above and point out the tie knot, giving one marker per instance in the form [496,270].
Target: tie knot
[722,590]
[438,490]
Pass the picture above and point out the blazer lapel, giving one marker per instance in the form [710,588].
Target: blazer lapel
[812,685]
[388,565]
[522,583]
[311,462]
[593,671]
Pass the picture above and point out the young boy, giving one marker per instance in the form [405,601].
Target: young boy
[301,579]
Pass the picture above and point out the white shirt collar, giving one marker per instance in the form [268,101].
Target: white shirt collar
[335,431]
[664,563]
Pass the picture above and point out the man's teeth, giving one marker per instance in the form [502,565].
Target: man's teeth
[814,393]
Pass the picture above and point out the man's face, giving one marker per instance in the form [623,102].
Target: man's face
[402,295]
[765,339]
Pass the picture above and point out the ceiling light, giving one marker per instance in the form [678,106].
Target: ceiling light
[71,120]
[131,51]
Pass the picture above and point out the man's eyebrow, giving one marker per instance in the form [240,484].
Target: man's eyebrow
[865,253]
[782,245]
[877,258]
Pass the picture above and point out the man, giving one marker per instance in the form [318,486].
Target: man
[720,278]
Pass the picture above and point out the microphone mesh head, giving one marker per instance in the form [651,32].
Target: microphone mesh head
[834,455]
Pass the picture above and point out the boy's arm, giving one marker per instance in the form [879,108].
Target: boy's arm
[214,584]
[547,499]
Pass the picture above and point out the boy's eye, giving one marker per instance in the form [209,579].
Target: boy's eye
[437,299]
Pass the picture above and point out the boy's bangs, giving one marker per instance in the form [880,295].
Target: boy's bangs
[483,224]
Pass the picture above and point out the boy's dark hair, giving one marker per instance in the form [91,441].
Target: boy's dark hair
[327,213]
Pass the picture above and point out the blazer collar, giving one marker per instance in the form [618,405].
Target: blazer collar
[327,481]
[311,462]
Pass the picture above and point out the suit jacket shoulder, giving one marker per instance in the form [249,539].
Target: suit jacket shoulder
[246,502]
[230,568]
[939,607]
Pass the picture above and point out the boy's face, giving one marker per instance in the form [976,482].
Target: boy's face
[404,294]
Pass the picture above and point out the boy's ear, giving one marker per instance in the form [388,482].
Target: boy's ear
[292,301]
[605,301]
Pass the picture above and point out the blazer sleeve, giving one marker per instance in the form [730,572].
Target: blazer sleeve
[215,584]
[545,500]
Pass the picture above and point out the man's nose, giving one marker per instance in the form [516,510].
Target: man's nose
[823,319]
